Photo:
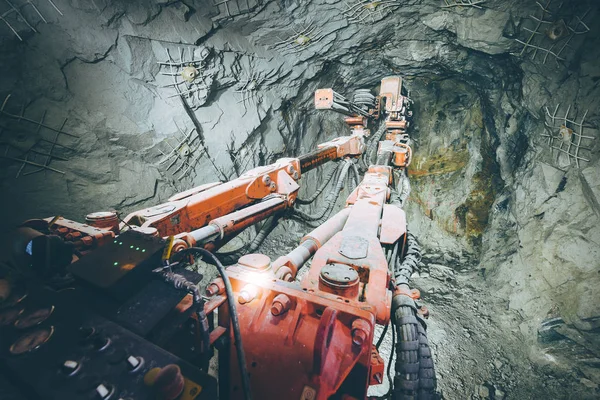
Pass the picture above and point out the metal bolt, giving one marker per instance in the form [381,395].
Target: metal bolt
[281,303]
[244,297]
[276,308]
[359,337]
[215,287]
[247,294]
[360,331]
[211,290]
[284,273]
[378,378]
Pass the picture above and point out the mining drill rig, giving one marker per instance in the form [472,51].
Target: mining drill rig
[110,308]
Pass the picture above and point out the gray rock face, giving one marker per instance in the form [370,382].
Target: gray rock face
[489,190]
[558,242]
[481,30]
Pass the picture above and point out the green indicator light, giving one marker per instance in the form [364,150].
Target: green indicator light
[137,248]
[131,247]
[116,263]
[143,250]
[120,243]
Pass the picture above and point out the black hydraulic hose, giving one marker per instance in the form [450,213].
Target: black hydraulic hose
[389,367]
[352,182]
[231,257]
[382,336]
[410,262]
[394,256]
[307,218]
[355,175]
[364,161]
[241,356]
[373,143]
[320,189]
[297,217]
[265,231]
[338,173]
[329,202]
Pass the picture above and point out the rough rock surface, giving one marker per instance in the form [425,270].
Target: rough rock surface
[492,203]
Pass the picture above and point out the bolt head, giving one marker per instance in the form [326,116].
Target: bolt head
[211,290]
[247,294]
[359,337]
[244,297]
[378,378]
[281,303]
[276,308]
[360,331]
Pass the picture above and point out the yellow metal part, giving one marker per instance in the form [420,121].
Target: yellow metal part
[150,376]
[191,390]
[167,252]
[53,221]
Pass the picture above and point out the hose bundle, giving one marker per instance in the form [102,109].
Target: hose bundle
[325,211]
[373,143]
[231,257]
[355,177]
[320,189]
[415,374]
[410,262]
[364,99]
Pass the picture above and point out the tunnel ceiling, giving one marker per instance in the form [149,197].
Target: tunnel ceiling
[506,173]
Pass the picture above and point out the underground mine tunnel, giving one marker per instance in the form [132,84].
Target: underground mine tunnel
[300,199]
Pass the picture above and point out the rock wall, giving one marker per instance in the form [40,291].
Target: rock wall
[489,192]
